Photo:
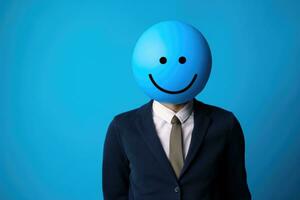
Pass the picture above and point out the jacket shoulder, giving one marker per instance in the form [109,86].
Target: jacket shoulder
[218,113]
[128,117]
[214,109]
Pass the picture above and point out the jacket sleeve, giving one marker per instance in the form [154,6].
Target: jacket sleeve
[115,167]
[236,181]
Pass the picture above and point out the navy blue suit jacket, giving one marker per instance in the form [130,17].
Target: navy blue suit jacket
[135,166]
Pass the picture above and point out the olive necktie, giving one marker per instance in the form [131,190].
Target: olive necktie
[176,146]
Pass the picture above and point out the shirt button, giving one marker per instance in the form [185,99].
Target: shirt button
[176,189]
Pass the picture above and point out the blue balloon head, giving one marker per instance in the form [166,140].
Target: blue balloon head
[171,62]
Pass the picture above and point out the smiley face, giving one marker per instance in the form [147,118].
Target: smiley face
[181,60]
[171,62]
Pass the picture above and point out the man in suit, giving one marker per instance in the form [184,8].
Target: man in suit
[174,146]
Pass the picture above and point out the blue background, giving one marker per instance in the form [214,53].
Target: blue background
[65,72]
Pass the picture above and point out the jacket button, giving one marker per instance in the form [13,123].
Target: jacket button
[176,189]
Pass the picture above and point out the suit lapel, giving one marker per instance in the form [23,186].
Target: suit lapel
[201,123]
[147,129]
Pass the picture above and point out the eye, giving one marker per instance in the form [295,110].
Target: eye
[182,59]
[163,60]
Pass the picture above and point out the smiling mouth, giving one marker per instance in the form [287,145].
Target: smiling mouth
[172,91]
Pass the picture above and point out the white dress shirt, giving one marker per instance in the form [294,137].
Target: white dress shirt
[162,117]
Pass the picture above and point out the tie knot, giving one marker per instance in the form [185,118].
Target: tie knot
[175,120]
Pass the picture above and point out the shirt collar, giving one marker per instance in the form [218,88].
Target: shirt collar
[167,114]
